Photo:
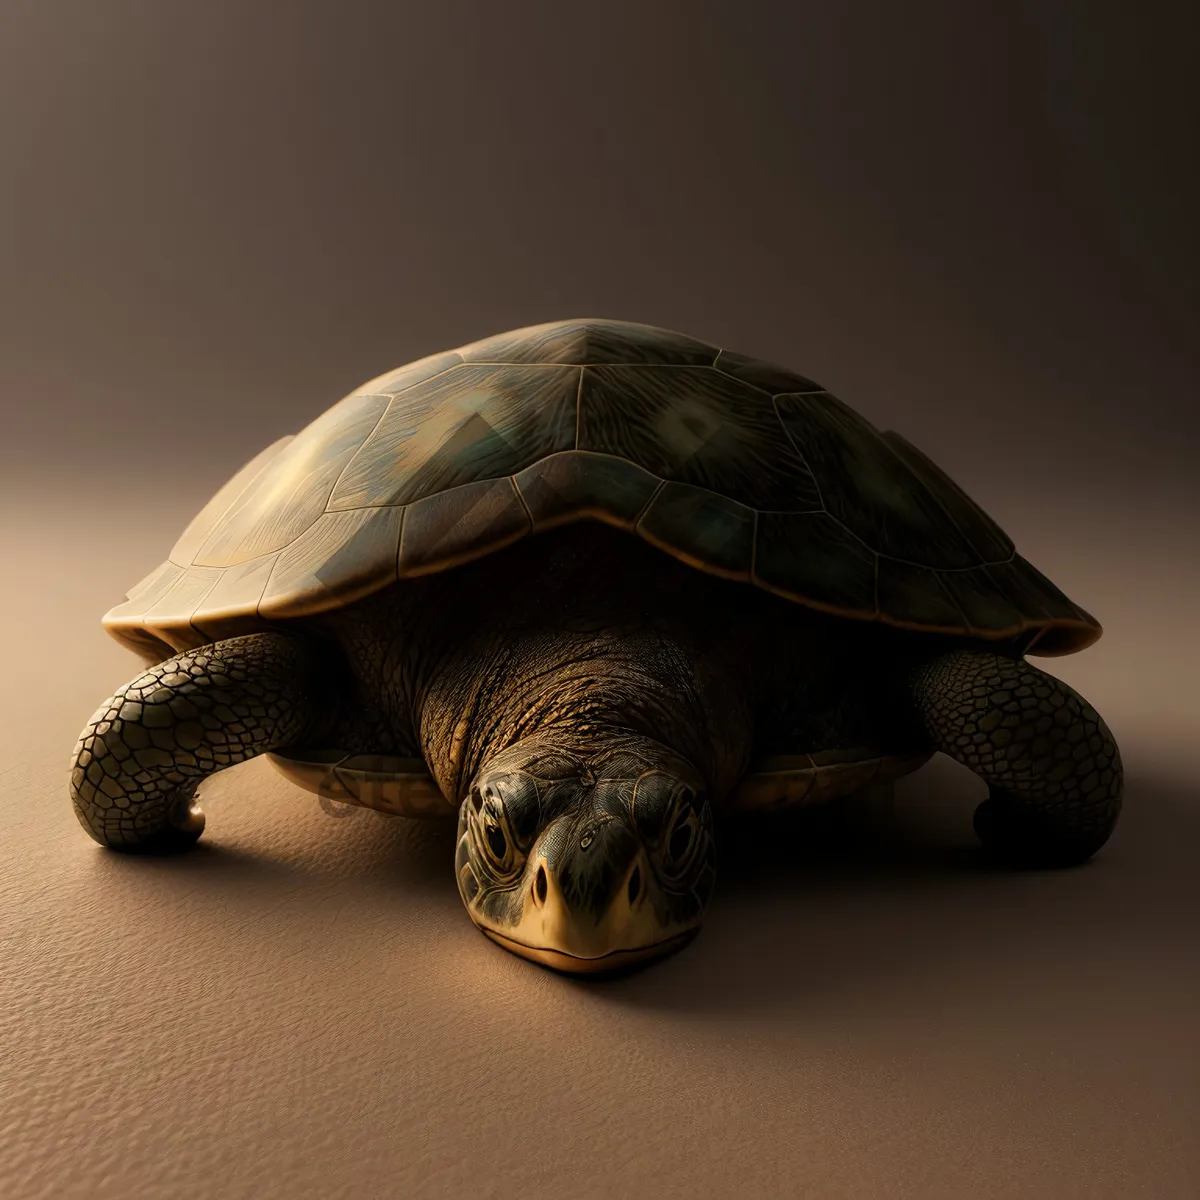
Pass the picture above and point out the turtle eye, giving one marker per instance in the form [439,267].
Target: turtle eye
[489,822]
[686,835]
[497,843]
[680,843]
[508,800]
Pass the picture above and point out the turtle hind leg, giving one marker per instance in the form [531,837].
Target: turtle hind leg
[138,762]
[1053,769]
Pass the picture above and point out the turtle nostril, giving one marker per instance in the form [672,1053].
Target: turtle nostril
[635,884]
[539,885]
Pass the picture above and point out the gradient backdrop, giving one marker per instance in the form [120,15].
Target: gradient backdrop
[974,222]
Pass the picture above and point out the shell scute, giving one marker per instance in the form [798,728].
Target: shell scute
[866,488]
[692,425]
[571,484]
[468,423]
[767,377]
[813,558]
[461,524]
[292,490]
[703,528]
[339,558]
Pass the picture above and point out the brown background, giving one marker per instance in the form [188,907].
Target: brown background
[974,222]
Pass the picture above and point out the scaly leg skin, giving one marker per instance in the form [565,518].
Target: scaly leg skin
[1053,769]
[138,762]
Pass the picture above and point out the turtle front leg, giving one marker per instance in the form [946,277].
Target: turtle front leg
[143,753]
[1053,768]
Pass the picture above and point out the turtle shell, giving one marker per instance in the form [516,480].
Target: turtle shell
[732,465]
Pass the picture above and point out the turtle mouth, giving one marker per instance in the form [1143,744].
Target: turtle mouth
[602,964]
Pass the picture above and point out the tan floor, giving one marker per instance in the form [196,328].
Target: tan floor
[300,1007]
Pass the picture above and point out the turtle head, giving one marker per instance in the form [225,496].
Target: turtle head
[589,862]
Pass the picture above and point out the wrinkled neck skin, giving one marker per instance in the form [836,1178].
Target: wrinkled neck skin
[586,692]
[584,637]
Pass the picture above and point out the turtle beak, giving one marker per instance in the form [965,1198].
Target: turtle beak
[592,908]
[610,963]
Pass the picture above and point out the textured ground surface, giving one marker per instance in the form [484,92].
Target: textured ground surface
[300,1006]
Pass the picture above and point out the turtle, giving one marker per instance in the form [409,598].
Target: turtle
[589,588]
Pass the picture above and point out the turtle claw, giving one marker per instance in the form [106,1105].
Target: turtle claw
[180,824]
[1016,835]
